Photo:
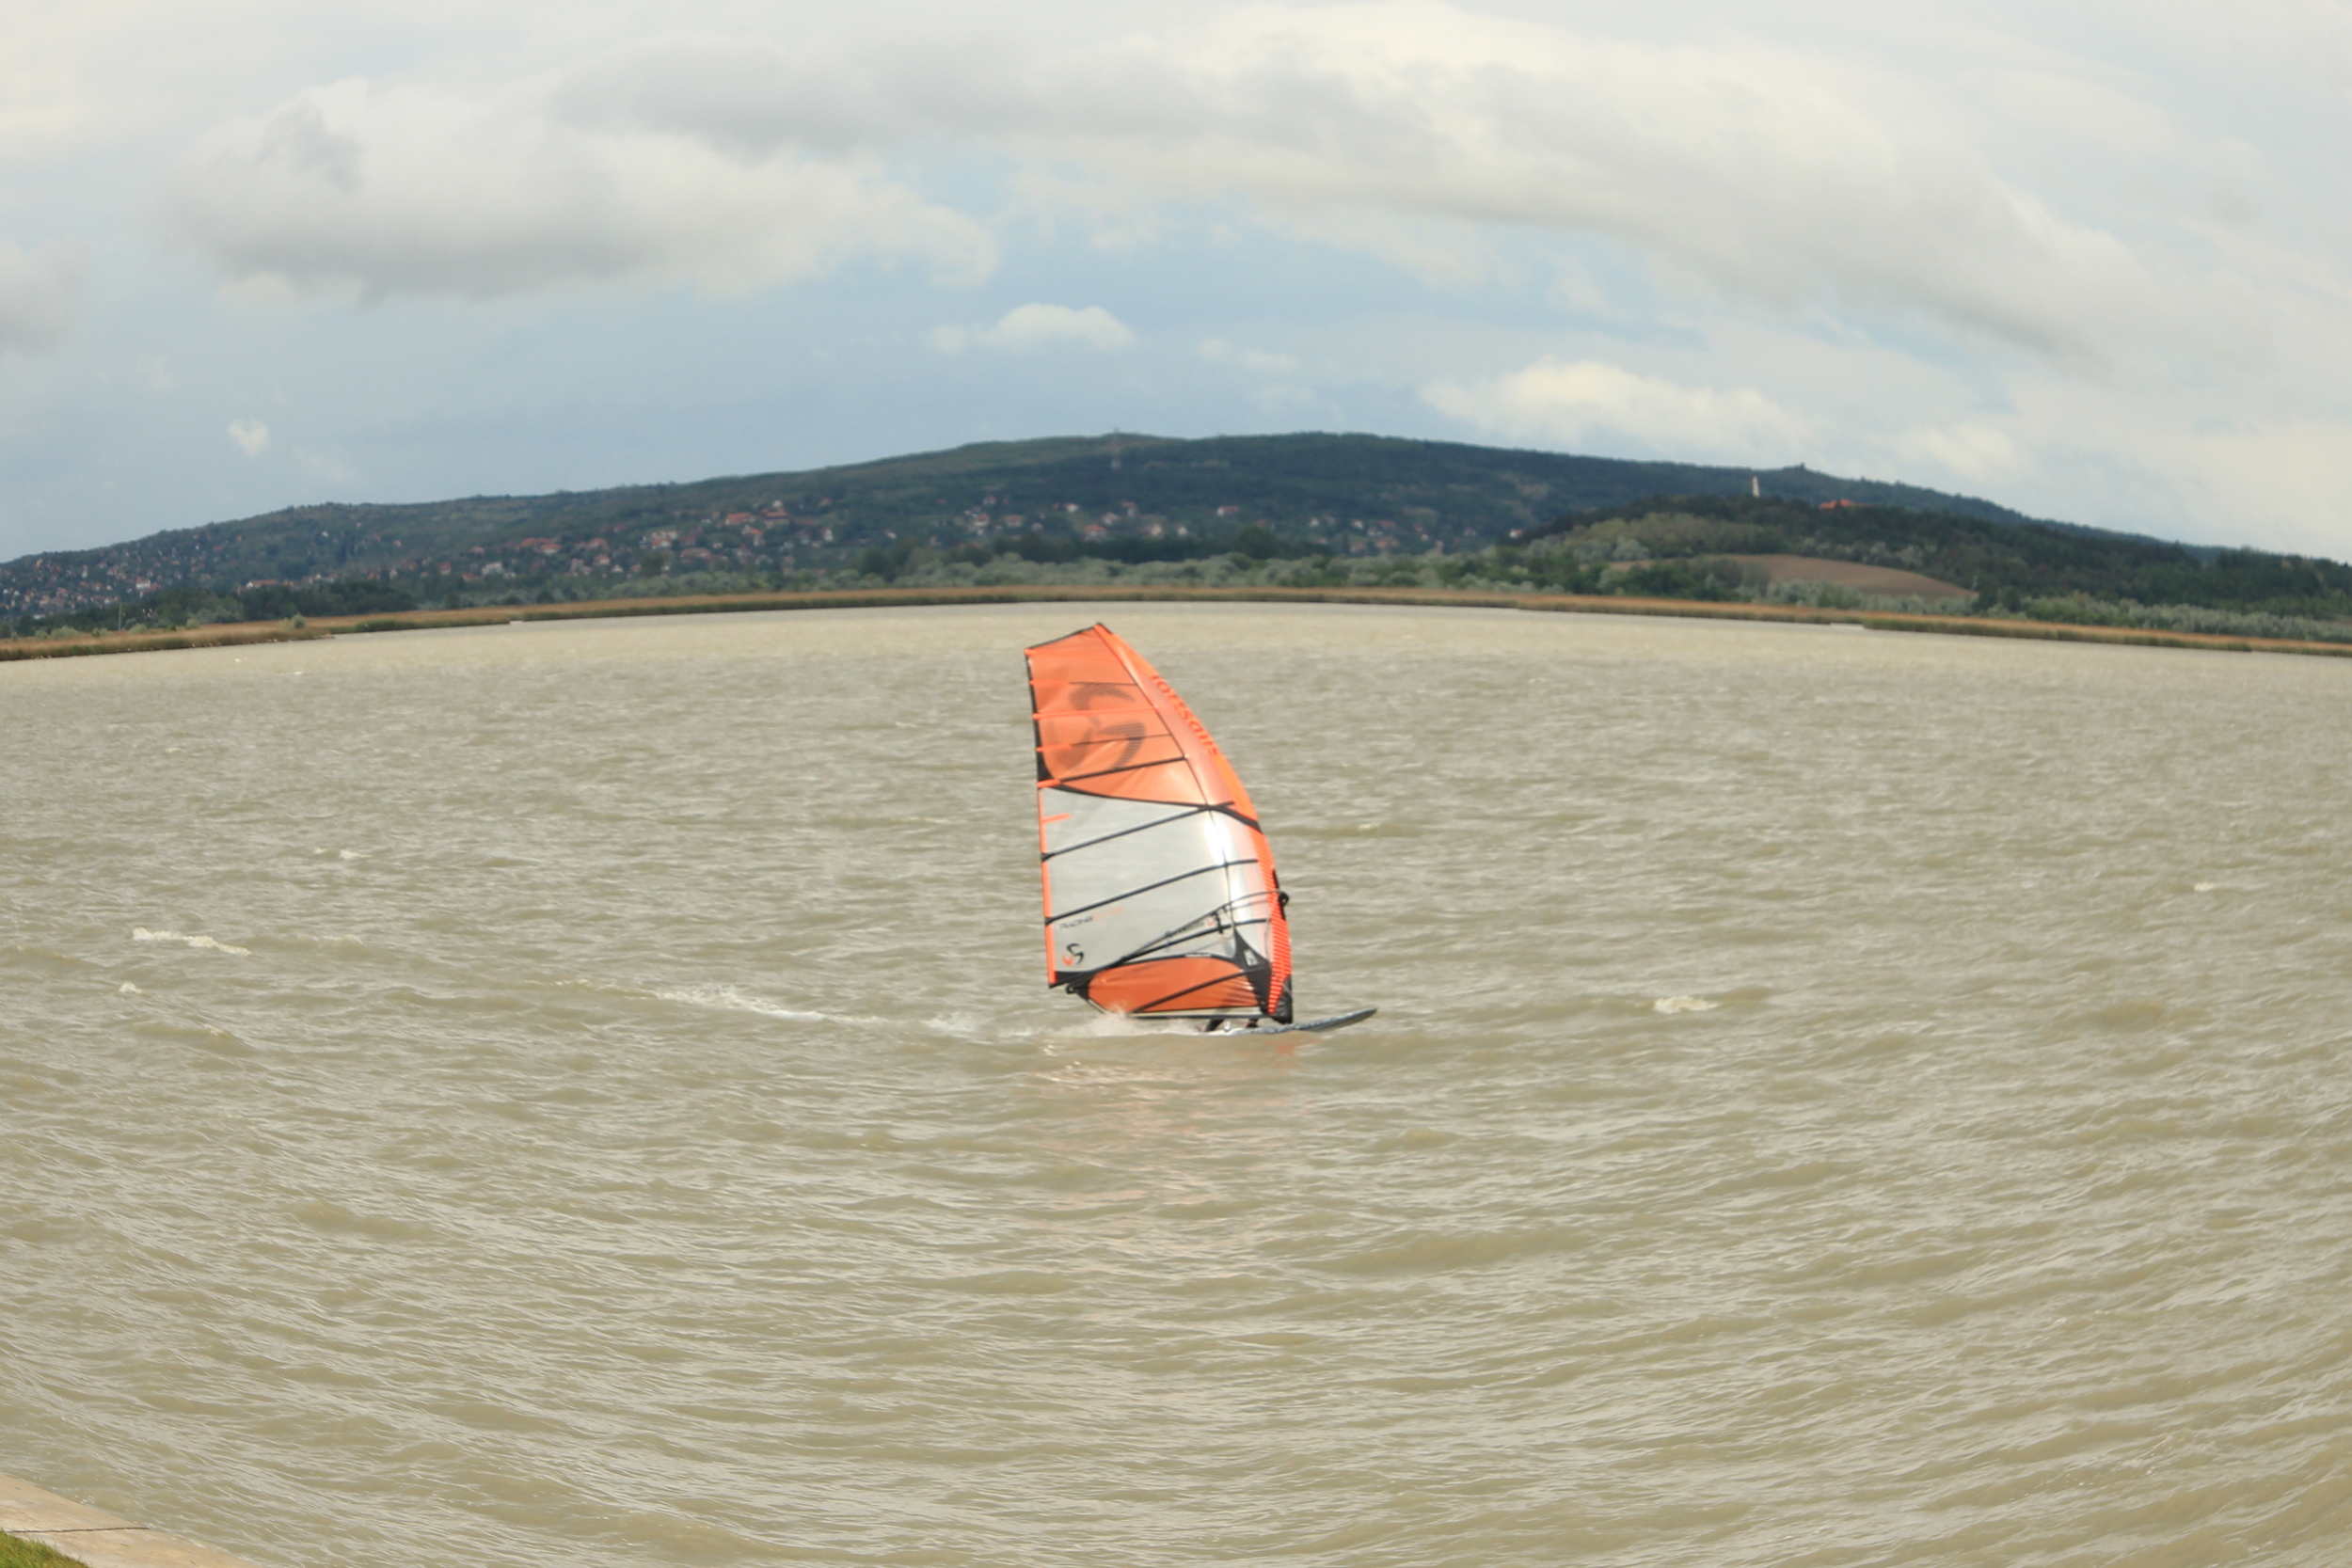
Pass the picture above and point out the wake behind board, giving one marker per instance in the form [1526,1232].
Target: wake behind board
[1313,1026]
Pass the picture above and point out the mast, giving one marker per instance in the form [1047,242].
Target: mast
[1159,886]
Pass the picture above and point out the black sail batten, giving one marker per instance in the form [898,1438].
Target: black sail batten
[1149,847]
[1102,774]
[1068,848]
[1226,921]
[1139,828]
[1153,887]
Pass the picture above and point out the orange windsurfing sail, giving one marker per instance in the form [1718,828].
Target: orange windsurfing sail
[1160,896]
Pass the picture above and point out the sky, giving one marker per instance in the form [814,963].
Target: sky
[2089,260]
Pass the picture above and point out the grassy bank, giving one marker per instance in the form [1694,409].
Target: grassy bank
[877,598]
[17,1552]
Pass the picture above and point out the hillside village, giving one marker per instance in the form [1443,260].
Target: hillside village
[771,540]
[1127,496]
[767,539]
[1302,511]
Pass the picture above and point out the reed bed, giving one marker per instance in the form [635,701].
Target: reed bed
[1874,619]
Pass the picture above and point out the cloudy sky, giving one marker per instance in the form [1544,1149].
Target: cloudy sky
[2093,260]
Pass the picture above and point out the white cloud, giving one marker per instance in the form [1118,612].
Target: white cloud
[1578,402]
[1973,451]
[2087,259]
[375,191]
[1278,400]
[333,470]
[1774,174]
[1035,327]
[2276,479]
[1417,129]
[1792,174]
[1413,128]
[1217,351]
[2286,481]
[250,436]
[40,291]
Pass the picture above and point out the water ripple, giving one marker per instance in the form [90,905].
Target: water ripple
[1836,1100]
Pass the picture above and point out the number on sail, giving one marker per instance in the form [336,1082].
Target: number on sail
[1160,894]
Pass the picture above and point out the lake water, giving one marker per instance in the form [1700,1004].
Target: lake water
[586,1093]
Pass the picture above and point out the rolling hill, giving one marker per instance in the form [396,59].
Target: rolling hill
[1302,510]
[1310,490]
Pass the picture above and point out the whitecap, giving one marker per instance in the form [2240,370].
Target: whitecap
[2204,887]
[1684,1004]
[130,989]
[349,855]
[1102,1025]
[732,999]
[140,933]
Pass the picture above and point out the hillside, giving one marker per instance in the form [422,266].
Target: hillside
[1298,511]
[2006,565]
[1146,496]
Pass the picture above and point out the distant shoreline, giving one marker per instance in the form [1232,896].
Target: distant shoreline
[246,633]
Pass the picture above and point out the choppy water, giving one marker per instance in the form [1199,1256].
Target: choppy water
[587,1092]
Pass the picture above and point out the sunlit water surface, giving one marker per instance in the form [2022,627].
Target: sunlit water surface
[580,1093]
